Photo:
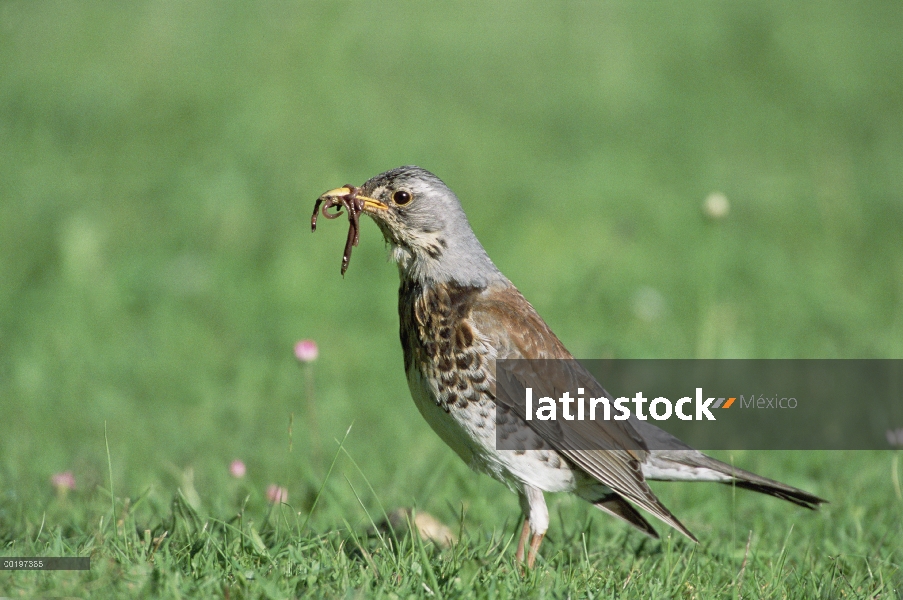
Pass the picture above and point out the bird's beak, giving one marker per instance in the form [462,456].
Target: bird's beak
[370,204]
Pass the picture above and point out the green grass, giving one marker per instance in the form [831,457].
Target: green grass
[158,166]
[234,543]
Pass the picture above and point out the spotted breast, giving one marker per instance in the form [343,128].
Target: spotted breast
[449,366]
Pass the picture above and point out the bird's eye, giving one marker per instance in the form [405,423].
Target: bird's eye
[401,197]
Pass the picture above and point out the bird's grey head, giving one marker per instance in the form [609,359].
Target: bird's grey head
[423,221]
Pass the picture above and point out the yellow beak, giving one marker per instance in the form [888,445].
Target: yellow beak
[370,203]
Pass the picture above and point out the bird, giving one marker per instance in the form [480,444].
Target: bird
[458,316]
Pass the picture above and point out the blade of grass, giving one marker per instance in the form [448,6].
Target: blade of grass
[366,512]
[418,541]
[382,508]
[325,480]
[110,469]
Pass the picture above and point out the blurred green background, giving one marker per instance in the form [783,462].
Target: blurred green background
[159,162]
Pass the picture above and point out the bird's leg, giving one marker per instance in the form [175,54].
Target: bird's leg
[534,549]
[521,544]
[536,522]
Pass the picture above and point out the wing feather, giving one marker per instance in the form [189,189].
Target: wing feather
[516,331]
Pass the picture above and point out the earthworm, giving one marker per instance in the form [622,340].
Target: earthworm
[354,206]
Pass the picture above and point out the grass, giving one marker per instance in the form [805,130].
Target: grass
[162,546]
[158,164]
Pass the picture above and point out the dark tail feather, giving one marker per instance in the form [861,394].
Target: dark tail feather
[670,453]
[616,506]
[751,481]
[779,490]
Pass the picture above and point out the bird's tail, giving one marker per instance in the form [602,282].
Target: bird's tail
[691,465]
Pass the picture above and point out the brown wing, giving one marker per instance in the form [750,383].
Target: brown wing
[518,332]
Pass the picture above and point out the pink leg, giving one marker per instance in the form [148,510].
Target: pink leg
[534,549]
[519,556]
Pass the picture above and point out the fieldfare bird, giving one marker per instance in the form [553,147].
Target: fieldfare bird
[458,315]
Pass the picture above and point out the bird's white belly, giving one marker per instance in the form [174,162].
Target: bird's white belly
[470,432]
